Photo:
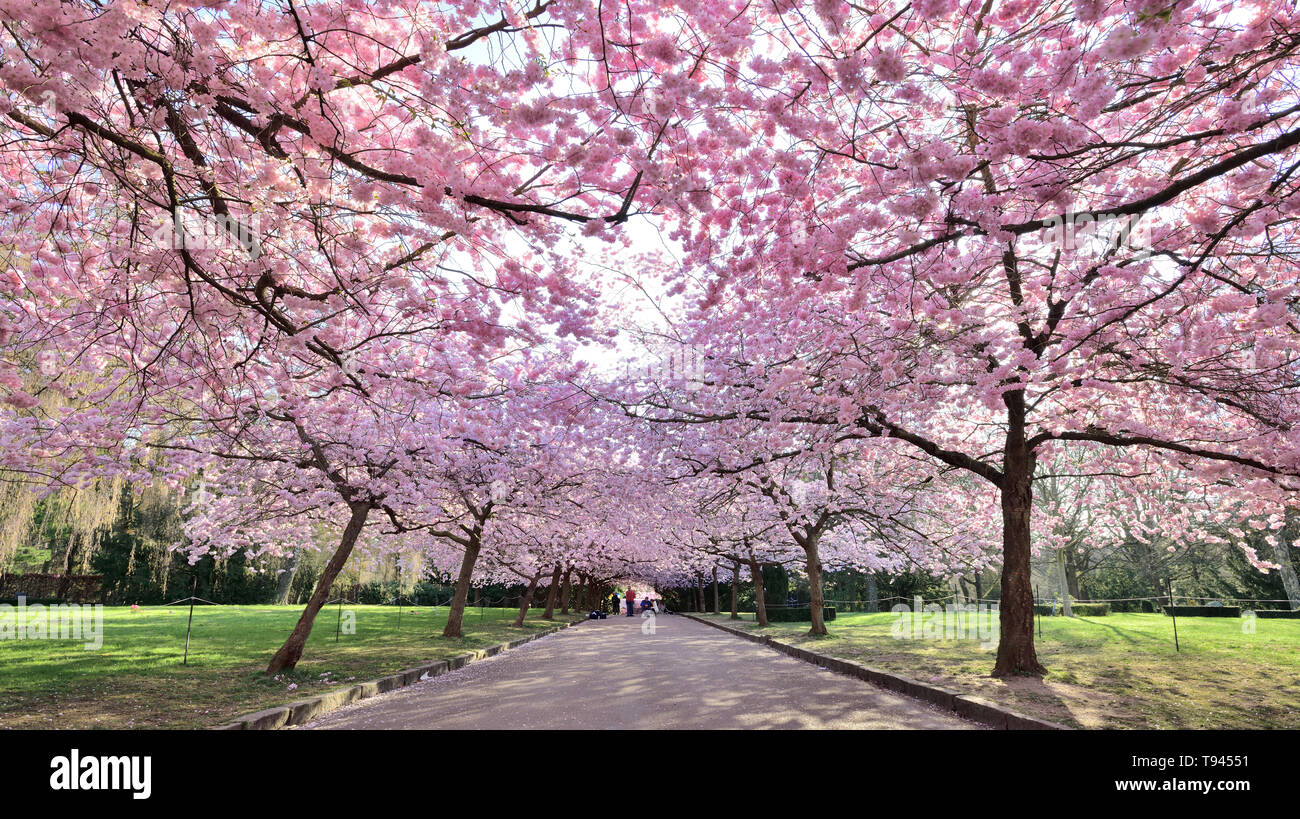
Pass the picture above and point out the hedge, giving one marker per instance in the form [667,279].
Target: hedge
[1145,606]
[1077,609]
[1203,611]
[1277,614]
[796,615]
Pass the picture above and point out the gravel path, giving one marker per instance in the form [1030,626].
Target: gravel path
[608,674]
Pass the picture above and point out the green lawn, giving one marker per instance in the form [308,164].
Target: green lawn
[1118,671]
[136,680]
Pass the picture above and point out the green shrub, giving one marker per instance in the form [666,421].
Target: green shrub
[797,615]
[1091,609]
[428,593]
[776,584]
[377,594]
[1145,606]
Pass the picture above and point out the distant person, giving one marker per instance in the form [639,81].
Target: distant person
[631,603]
[613,598]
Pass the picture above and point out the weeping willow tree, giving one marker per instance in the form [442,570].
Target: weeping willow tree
[410,568]
[40,517]
[17,508]
[136,556]
[72,522]
[50,526]
[376,577]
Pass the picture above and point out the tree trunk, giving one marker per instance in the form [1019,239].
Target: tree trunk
[699,593]
[69,557]
[760,602]
[1282,554]
[1016,655]
[814,566]
[456,615]
[289,654]
[717,609]
[1072,575]
[551,594]
[1064,580]
[979,586]
[565,590]
[873,593]
[527,599]
[284,583]
[735,588]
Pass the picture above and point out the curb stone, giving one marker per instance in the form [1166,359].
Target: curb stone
[303,711]
[968,706]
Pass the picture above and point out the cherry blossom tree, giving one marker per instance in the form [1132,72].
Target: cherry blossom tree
[324,251]
[294,260]
[986,232]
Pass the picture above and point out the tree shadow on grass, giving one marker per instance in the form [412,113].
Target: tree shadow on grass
[1034,696]
[1116,630]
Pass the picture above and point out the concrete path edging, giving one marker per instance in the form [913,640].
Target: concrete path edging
[975,709]
[303,711]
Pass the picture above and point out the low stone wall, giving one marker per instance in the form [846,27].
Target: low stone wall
[303,711]
[975,709]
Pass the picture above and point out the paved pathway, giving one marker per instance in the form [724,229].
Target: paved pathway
[608,674]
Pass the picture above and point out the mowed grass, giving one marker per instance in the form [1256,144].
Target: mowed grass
[137,680]
[1117,671]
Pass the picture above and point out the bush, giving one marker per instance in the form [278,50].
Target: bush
[1203,611]
[776,584]
[797,615]
[427,593]
[377,594]
[1091,609]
